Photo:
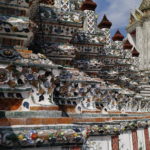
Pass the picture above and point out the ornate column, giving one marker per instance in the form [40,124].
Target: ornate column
[90,22]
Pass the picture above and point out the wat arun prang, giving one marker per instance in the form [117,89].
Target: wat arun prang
[65,84]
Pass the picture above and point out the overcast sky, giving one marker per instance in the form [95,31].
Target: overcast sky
[117,11]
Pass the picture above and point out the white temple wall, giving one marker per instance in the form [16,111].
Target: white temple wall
[131,39]
[146,39]
[142,44]
[139,46]
[125,141]
[99,143]
[141,139]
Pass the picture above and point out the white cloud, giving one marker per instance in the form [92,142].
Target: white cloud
[118,11]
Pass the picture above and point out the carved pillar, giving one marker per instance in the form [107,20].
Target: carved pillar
[90,21]
[107,37]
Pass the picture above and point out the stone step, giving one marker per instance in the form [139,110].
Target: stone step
[88,115]
[145,86]
[143,83]
[145,92]
[30,114]
[146,89]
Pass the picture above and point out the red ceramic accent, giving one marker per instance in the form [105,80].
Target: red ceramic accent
[105,23]
[10,104]
[127,45]
[51,2]
[34,136]
[88,5]
[135,53]
[118,36]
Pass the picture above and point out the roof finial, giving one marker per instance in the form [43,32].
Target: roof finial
[105,23]
[88,5]
[118,36]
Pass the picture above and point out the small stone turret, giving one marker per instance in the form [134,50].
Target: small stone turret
[118,36]
[90,21]
[127,45]
[135,53]
[105,23]
[105,26]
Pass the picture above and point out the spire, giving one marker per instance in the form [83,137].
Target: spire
[135,53]
[88,5]
[127,45]
[118,36]
[145,5]
[105,23]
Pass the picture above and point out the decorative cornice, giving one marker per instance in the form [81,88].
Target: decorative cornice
[145,5]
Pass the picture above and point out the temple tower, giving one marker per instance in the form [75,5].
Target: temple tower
[139,33]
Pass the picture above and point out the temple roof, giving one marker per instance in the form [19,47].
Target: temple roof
[135,53]
[88,5]
[145,5]
[127,45]
[118,36]
[105,23]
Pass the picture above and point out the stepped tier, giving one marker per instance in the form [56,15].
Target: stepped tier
[70,131]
